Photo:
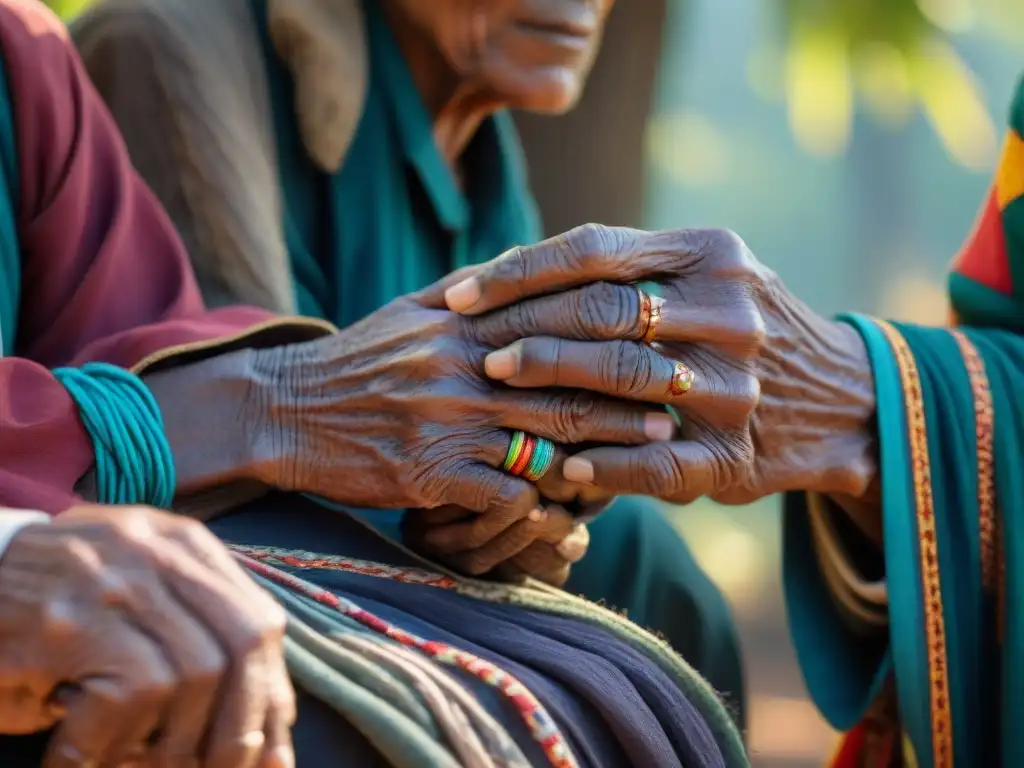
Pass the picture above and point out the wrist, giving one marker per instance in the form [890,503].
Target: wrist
[216,418]
[848,458]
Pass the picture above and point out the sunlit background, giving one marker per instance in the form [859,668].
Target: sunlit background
[849,142]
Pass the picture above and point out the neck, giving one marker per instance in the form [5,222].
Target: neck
[457,108]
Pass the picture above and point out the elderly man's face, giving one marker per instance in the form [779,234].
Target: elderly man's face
[529,54]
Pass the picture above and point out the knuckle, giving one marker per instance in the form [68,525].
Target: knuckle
[475,564]
[734,459]
[194,534]
[206,671]
[573,415]
[589,245]
[739,398]
[607,311]
[725,243]
[513,266]
[587,238]
[751,328]
[135,527]
[260,629]
[630,369]
[658,473]
[157,683]
[438,357]
[515,496]
[726,249]
[748,393]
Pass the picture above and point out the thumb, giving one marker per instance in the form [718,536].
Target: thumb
[432,297]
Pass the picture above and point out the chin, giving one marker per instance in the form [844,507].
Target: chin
[545,95]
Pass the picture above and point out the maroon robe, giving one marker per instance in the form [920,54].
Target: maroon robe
[105,276]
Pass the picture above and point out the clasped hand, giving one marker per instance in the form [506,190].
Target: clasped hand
[781,399]
[413,406]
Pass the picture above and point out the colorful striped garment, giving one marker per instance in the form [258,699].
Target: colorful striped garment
[940,681]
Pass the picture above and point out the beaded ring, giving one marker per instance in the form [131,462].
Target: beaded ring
[528,456]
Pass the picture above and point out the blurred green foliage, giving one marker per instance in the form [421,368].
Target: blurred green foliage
[890,57]
[67,8]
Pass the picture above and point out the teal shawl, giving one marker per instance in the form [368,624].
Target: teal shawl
[10,252]
[951,436]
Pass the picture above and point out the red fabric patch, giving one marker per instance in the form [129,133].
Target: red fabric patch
[849,754]
[983,257]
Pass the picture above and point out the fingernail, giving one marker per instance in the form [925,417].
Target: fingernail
[536,515]
[577,470]
[282,757]
[574,546]
[463,296]
[659,426]
[503,364]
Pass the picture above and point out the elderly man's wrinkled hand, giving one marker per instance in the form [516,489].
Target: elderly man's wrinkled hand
[544,545]
[771,397]
[396,411]
[136,633]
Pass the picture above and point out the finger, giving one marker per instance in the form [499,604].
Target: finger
[583,255]
[622,369]
[449,513]
[493,450]
[236,738]
[605,311]
[199,663]
[574,546]
[501,499]
[551,562]
[553,526]
[433,296]
[596,312]
[677,471]
[540,561]
[248,626]
[278,751]
[129,699]
[575,417]
[280,699]
[480,488]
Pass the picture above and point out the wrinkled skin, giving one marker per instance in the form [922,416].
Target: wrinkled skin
[470,58]
[396,412]
[782,400]
[545,548]
[523,54]
[140,620]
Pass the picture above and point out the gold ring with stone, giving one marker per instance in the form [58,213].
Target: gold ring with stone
[681,381]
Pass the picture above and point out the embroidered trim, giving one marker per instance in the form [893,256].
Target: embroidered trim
[537,719]
[983,427]
[299,559]
[935,624]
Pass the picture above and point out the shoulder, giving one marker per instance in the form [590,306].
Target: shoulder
[29,19]
[30,33]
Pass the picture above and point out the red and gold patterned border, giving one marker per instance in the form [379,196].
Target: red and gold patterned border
[984,428]
[928,551]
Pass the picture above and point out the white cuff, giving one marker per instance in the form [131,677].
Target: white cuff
[13,520]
